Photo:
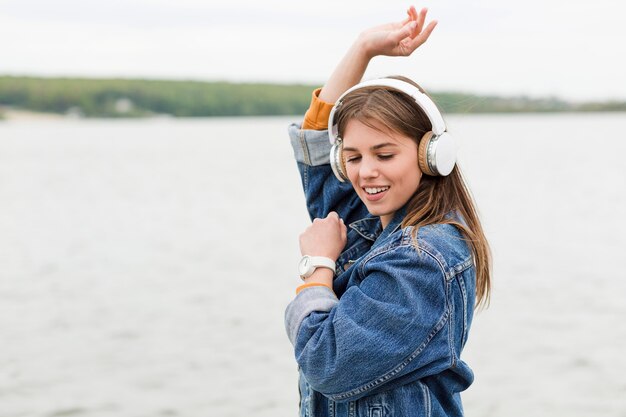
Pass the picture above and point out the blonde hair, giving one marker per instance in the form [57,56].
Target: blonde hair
[436,197]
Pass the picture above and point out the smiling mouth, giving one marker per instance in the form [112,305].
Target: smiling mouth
[375,190]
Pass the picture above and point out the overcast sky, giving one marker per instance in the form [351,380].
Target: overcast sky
[570,49]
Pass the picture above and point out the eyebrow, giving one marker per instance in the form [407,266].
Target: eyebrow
[373,148]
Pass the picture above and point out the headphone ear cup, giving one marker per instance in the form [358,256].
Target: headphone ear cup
[422,154]
[337,163]
[342,164]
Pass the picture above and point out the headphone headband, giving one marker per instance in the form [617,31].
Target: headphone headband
[422,100]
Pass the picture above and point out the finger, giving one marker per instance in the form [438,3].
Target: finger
[415,18]
[425,34]
[420,22]
[333,215]
[402,33]
[409,15]
[421,18]
[413,13]
[414,43]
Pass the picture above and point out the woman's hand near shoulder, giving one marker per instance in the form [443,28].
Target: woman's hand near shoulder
[324,237]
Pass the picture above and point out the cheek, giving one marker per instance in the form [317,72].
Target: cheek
[408,173]
[410,184]
[352,173]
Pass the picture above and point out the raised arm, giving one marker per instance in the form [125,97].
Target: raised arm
[311,147]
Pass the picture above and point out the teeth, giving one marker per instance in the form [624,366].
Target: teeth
[375,190]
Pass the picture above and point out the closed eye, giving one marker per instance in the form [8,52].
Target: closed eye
[385,157]
[352,159]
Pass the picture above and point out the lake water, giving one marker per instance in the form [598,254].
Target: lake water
[145,266]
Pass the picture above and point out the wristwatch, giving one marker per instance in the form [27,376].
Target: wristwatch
[308,265]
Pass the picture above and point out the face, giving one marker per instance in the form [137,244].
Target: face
[382,167]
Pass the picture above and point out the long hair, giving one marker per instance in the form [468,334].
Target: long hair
[436,197]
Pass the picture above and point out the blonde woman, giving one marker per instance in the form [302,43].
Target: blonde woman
[395,259]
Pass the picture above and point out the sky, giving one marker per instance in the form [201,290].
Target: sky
[541,48]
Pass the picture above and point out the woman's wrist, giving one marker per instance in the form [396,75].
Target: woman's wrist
[362,48]
[321,276]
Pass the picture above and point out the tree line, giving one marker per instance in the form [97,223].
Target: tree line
[140,98]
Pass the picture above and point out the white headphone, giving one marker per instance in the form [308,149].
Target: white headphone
[437,149]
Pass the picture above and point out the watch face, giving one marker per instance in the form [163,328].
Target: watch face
[304,265]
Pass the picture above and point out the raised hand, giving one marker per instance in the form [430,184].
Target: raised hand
[398,38]
[391,39]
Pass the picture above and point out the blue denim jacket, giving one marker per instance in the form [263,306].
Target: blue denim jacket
[387,341]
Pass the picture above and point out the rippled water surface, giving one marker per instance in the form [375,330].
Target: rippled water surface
[145,266]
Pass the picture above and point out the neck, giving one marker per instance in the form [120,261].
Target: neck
[385,219]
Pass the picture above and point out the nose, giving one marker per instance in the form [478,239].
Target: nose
[368,168]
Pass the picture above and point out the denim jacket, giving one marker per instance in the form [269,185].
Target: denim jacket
[387,340]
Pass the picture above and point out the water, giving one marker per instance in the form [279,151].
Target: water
[145,266]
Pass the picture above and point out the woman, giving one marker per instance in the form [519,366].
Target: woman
[382,317]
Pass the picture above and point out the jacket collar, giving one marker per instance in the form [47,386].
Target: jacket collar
[371,228]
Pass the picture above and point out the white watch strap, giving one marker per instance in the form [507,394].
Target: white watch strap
[314,262]
[322,261]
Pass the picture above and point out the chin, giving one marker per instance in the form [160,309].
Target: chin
[377,211]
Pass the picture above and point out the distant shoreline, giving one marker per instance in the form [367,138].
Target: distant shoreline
[19,116]
[26,115]
[38,97]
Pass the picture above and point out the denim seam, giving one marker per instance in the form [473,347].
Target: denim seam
[450,306]
[305,177]
[351,409]
[331,408]
[390,374]
[461,283]
[305,148]
[426,394]
[466,264]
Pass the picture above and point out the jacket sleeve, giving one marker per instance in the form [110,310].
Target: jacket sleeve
[394,325]
[323,192]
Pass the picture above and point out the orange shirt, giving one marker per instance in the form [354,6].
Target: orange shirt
[316,117]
